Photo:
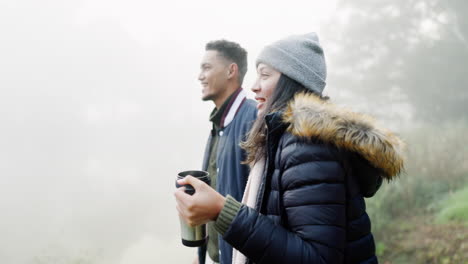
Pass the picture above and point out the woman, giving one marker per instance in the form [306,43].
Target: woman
[312,165]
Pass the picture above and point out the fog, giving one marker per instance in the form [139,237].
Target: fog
[100,108]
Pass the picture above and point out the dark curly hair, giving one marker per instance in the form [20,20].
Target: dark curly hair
[231,51]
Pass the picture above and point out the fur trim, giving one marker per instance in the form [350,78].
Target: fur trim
[311,117]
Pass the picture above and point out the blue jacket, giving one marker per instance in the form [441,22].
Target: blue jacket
[321,162]
[232,175]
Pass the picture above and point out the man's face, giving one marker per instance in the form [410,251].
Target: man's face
[214,71]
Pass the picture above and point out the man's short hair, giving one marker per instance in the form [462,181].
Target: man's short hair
[231,51]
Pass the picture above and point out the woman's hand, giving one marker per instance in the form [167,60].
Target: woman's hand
[201,207]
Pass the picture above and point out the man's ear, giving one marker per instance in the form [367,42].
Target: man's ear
[233,71]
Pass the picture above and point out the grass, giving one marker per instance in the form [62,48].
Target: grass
[454,208]
[422,217]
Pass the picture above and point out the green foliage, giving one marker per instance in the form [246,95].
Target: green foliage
[380,248]
[434,187]
[436,165]
[454,207]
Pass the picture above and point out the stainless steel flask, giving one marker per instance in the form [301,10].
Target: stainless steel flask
[193,236]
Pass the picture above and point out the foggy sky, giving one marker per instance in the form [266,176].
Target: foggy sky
[100,107]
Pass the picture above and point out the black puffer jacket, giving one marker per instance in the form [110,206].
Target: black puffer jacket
[321,163]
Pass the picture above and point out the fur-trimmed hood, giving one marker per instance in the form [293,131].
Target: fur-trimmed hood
[310,117]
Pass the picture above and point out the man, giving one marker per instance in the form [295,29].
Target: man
[223,68]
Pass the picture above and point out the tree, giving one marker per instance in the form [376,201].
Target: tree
[412,51]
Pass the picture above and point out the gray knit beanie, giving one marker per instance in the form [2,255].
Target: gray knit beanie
[300,57]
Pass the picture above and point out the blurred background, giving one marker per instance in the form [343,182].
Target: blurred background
[100,108]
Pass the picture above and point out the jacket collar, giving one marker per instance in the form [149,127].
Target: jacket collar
[233,106]
[275,124]
[309,117]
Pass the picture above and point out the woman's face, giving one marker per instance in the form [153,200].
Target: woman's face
[265,84]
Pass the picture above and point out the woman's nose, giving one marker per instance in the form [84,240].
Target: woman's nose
[255,87]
